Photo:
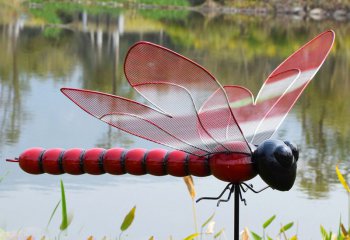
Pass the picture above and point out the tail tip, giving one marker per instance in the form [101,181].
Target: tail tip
[12,160]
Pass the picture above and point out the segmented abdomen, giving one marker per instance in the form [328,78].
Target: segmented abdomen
[114,161]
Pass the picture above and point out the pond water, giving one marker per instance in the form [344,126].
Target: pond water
[48,47]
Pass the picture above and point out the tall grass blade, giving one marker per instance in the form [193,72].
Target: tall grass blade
[218,234]
[323,232]
[286,227]
[208,220]
[192,191]
[245,234]
[190,186]
[53,213]
[342,179]
[269,221]
[129,218]
[65,223]
[192,236]
[343,230]
[255,236]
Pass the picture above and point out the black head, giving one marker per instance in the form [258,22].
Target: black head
[276,163]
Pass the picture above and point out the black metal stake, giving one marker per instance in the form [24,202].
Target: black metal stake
[236,212]
[234,187]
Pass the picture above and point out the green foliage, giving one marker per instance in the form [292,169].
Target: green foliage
[286,227]
[53,213]
[343,234]
[269,221]
[129,218]
[282,230]
[255,236]
[52,32]
[65,223]
[48,13]
[56,13]
[342,179]
[219,233]
[179,3]
[192,236]
[164,15]
[325,234]
[208,220]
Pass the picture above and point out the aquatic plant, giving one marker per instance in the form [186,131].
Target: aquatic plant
[129,218]
[192,191]
[208,223]
[343,233]
[280,235]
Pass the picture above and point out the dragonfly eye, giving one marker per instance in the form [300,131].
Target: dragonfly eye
[294,149]
[284,156]
[275,162]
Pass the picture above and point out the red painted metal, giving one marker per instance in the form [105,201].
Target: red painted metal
[229,167]
[154,162]
[50,163]
[71,161]
[175,165]
[111,164]
[29,160]
[91,161]
[134,161]
[223,165]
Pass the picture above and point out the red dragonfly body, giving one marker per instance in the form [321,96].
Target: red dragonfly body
[216,130]
[229,167]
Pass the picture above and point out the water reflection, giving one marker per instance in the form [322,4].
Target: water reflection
[12,85]
[236,49]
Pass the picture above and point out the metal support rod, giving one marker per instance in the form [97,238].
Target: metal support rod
[236,212]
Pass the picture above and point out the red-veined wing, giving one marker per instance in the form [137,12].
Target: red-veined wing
[260,119]
[129,116]
[177,87]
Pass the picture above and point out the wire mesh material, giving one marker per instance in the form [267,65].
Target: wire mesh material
[191,111]
[177,88]
[260,119]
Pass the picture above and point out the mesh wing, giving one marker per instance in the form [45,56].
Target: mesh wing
[280,91]
[129,116]
[249,114]
[179,88]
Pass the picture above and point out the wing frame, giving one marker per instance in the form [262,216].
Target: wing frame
[195,152]
[197,107]
[307,69]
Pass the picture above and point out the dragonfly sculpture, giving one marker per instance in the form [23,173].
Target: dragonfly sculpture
[216,130]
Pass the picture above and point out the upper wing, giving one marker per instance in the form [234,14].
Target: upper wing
[177,87]
[260,119]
